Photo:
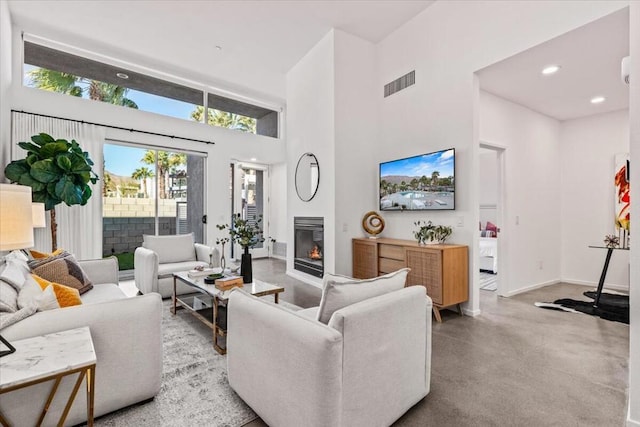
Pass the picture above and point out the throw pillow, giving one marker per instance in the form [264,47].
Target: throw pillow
[491,227]
[174,248]
[39,255]
[47,295]
[63,269]
[14,272]
[339,292]
[8,298]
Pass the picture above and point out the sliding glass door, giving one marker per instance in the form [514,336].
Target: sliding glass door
[149,191]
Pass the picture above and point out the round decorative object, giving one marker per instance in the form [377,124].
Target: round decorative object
[373,223]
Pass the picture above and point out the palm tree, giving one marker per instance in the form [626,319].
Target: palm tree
[142,174]
[166,161]
[414,184]
[225,119]
[56,81]
[434,178]
[424,181]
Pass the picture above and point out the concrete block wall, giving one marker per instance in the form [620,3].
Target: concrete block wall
[124,234]
[114,207]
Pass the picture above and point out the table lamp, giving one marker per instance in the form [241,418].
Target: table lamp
[16,217]
[37,210]
[16,227]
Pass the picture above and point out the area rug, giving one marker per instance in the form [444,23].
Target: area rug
[611,306]
[194,390]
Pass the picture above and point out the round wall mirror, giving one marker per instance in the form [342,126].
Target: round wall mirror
[307,176]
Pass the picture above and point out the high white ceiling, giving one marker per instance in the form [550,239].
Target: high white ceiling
[260,40]
[590,59]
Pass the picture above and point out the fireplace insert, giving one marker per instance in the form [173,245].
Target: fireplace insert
[309,245]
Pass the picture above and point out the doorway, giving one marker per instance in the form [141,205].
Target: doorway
[250,200]
[491,197]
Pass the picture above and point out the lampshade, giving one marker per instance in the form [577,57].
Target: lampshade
[38,215]
[16,217]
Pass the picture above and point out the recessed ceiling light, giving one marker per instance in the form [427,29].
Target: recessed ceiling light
[551,69]
[598,99]
[218,47]
[253,159]
[122,76]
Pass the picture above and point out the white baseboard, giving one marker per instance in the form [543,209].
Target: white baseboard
[471,313]
[531,287]
[313,281]
[624,288]
[632,423]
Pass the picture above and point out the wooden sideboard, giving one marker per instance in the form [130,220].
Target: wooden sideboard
[442,269]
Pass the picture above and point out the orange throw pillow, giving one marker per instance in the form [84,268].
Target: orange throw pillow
[64,295]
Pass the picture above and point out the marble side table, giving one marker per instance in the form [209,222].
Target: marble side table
[50,358]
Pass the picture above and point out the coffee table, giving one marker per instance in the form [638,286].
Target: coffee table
[209,304]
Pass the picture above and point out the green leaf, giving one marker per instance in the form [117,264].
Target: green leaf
[16,169]
[79,164]
[64,163]
[84,177]
[51,191]
[70,193]
[86,194]
[31,159]
[29,147]
[27,179]
[52,149]
[42,139]
[45,171]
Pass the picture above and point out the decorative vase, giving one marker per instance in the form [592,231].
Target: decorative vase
[223,261]
[245,267]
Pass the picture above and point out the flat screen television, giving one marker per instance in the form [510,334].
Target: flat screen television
[423,182]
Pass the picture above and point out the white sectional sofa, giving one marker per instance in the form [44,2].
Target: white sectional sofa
[127,338]
[366,367]
[161,256]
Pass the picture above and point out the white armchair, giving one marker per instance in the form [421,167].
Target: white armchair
[160,256]
[366,367]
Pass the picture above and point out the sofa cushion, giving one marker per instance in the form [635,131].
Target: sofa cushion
[175,248]
[63,269]
[309,313]
[102,293]
[8,298]
[340,292]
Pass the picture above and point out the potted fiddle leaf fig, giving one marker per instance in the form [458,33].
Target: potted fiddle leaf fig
[57,171]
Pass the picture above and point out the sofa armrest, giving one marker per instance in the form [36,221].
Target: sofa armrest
[145,270]
[103,270]
[387,340]
[296,359]
[202,254]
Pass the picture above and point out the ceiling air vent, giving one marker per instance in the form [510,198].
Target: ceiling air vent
[400,83]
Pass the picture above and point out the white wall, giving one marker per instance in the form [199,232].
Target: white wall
[587,149]
[634,114]
[532,190]
[278,203]
[310,128]
[5,83]
[229,144]
[446,44]
[356,174]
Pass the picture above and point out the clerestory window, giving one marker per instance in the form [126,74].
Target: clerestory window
[57,71]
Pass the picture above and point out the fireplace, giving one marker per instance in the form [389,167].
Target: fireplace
[309,245]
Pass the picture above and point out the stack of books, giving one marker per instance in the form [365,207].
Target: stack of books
[201,273]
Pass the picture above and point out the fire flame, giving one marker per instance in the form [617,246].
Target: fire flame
[315,253]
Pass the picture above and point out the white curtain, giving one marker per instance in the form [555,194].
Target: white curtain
[79,227]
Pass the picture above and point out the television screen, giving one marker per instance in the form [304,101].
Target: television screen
[424,182]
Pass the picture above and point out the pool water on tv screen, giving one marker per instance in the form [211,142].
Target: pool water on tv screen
[417,183]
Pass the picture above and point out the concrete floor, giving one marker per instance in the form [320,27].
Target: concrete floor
[514,365]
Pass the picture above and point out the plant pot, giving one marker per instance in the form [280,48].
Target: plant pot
[245,267]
